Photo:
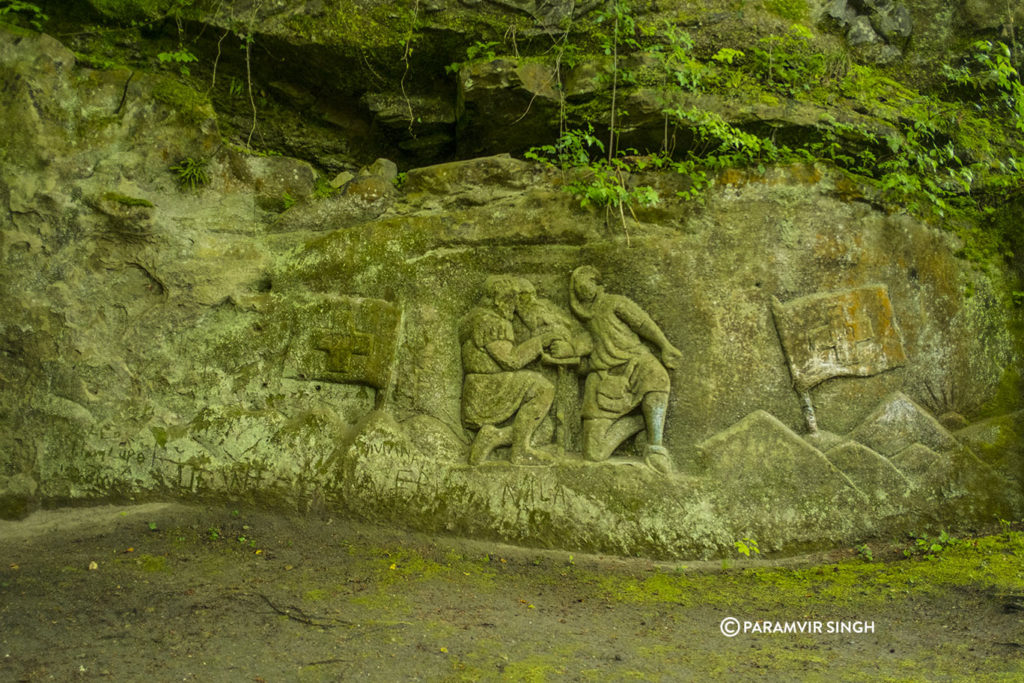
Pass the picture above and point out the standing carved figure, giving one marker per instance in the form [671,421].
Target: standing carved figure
[495,387]
[624,374]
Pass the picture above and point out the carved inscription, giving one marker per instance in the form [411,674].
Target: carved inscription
[530,492]
[179,467]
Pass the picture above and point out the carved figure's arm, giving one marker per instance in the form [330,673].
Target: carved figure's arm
[512,357]
[583,343]
[645,327]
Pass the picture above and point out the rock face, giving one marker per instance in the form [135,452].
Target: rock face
[873,474]
[462,348]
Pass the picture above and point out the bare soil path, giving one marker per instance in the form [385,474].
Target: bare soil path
[170,592]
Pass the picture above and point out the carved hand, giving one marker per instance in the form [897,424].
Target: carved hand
[561,349]
[548,338]
[671,356]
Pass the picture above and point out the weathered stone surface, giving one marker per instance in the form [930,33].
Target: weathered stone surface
[862,33]
[839,14]
[369,189]
[872,474]
[971,488]
[952,420]
[647,107]
[505,99]
[898,423]
[382,168]
[354,61]
[998,442]
[278,181]
[892,21]
[395,111]
[157,350]
[991,14]
[500,172]
[924,466]
[869,34]
[956,475]
[761,460]
[338,181]
[789,487]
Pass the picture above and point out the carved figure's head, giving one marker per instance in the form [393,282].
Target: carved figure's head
[526,293]
[585,283]
[583,290]
[502,291]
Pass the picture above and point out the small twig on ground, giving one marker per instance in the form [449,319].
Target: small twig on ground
[328,661]
[299,615]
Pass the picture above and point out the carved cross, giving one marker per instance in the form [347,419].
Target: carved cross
[341,346]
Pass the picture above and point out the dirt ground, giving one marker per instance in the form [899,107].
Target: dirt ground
[169,592]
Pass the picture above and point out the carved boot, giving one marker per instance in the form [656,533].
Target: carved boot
[657,458]
[487,439]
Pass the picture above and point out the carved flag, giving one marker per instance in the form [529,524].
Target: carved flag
[344,340]
[850,333]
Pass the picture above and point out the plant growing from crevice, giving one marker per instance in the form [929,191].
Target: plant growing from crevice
[717,145]
[596,180]
[322,188]
[623,35]
[287,201]
[988,72]
[477,51]
[788,63]
[407,51]
[191,173]
[181,56]
[244,31]
[934,158]
[247,41]
[679,69]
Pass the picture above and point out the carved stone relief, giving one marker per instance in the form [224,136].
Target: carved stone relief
[837,334]
[500,398]
[353,341]
[626,386]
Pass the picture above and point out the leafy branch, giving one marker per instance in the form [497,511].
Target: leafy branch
[30,11]
[603,181]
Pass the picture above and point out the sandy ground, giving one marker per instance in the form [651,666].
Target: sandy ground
[170,592]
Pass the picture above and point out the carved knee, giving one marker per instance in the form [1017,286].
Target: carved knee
[541,391]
